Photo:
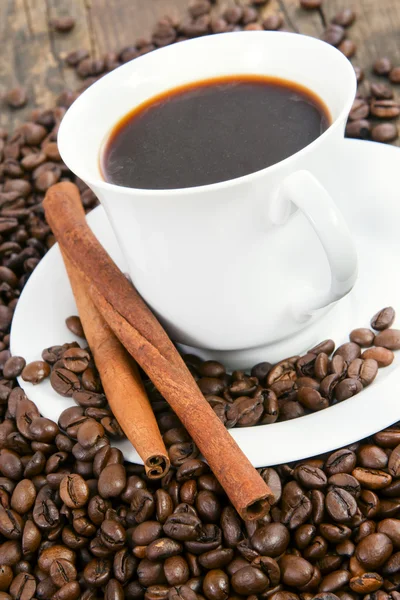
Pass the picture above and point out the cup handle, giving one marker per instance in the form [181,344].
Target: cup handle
[304,191]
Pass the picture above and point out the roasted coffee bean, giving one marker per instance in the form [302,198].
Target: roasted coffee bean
[363,336]
[271,539]
[381,91]
[372,456]
[383,319]
[62,572]
[163,548]
[31,537]
[249,580]
[372,479]
[374,550]
[349,351]
[340,505]
[388,338]
[63,24]
[273,22]
[112,481]
[384,132]
[383,356]
[394,75]
[346,482]
[295,570]
[23,496]
[310,477]
[347,388]
[394,462]
[385,109]
[64,382]
[74,491]
[16,97]
[358,129]
[359,110]
[366,583]
[13,367]
[382,66]
[35,372]
[74,323]
[341,461]
[333,34]
[296,506]
[76,360]
[112,534]
[310,4]
[345,17]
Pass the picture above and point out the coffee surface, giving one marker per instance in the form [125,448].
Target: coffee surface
[212,131]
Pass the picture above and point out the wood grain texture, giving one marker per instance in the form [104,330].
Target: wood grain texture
[33,54]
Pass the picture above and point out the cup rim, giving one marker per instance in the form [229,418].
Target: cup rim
[101,184]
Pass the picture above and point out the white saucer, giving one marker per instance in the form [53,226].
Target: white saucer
[363,179]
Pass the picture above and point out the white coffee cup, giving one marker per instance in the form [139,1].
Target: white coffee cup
[243,263]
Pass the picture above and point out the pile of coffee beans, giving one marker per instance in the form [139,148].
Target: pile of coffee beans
[76,521]
[291,388]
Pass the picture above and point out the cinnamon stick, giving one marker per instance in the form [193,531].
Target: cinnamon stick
[121,381]
[142,335]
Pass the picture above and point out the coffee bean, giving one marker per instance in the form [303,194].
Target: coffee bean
[363,337]
[366,583]
[163,548]
[384,132]
[358,129]
[333,34]
[374,550]
[328,385]
[64,382]
[347,47]
[35,372]
[62,572]
[327,346]
[16,97]
[271,539]
[388,338]
[338,366]
[273,22]
[295,571]
[345,17]
[23,586]
[23,496]
[340,505]
[382,66]
[385,109]
[381,91]
[372,479]
[74,491]
[249,580]
[311,4]
[62,24]
[112,481]
[76,360]
[372,457]
[13,367]
[394,75]
[347,388]
[296,506]
[382,356]
[383,319]
[349,351]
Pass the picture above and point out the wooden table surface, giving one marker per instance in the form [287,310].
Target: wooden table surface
[32,53]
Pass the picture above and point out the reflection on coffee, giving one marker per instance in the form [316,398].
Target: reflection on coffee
[212,131]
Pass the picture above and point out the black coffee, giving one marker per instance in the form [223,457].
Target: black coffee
[211,131]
